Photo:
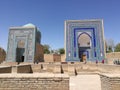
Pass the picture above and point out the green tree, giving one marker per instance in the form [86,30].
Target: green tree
[109,45]
[109,49]
[46,49]
[117,48]
[61,51]
[52,51]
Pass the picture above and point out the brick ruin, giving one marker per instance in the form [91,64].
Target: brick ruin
[2,55]
[53,76]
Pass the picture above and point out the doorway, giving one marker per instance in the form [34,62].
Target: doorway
[20,54]
[20,51]
[84,46]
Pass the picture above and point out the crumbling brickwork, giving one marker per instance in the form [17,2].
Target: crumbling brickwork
[39,55]
[110,82]
[30,82]
[2,55]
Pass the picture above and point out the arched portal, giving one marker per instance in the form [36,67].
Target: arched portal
[20,51]
[84,37]
[84,46]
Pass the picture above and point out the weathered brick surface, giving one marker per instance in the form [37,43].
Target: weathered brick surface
[39,54]
[5,69]
[2,55]
[48,58]
[64,67]
[112,56]
[52,58]
[16,69]
[74,68]
[71,69]
[57,68]
[110,83]
[105,83]
[56,57]
[24,69]
[54,82]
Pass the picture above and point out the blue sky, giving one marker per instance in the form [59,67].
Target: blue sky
[49,16]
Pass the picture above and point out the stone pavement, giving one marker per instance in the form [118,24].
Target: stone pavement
[85,82]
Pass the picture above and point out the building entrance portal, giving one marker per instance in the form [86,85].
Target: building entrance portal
[20,51]
[84,40]
[24,44]
[84,46]
[20,54]
[84,54]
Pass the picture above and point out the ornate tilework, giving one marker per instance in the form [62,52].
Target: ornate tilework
[73,27]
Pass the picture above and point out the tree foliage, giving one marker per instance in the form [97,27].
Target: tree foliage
[117,48]
[61,51]
[109,49]
[109,45]
[46,49]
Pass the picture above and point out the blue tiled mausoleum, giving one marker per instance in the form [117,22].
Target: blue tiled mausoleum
[84,38]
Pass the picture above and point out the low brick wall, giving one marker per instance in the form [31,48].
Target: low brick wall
[8,64]
[52,58]
[34,82]
[24,69]
[5,69]
[109,68]
[112,56]
[110,82]
[63,57]
[48,58]
[74,68]
[16,69]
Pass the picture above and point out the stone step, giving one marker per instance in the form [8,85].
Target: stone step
[85,82]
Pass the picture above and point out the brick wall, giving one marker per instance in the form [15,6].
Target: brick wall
[2,55]
[39,54]
[52,58]
[64,67]
[16,69]
[105,83]
[56,57]
[109,56]
[63,57]
[74,68]
[34,82]
[24,69]
[48,57]
[5,69]
[110,82]
[112,56]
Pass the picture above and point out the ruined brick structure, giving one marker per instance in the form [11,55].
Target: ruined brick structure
[2,55]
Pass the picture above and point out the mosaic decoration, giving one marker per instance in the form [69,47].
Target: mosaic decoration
[94,30]
[22,38]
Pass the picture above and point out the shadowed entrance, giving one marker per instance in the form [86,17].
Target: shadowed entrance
[84,46]
[20,50]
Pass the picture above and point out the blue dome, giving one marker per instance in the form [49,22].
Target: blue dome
[29,25]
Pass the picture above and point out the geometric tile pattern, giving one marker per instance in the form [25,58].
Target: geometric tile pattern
[23,37]
[94,30]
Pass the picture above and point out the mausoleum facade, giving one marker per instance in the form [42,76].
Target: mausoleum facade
[84,39]
[22,43]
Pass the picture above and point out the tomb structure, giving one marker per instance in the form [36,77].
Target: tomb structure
[84,40]
[23,43]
